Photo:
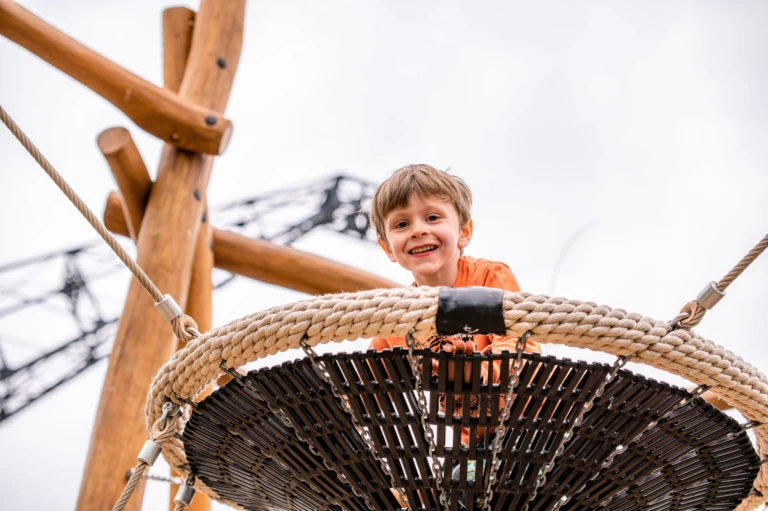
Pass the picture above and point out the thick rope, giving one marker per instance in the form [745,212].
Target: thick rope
[696,311]
[183,326]
[743,264]
[162,431]
[394,312]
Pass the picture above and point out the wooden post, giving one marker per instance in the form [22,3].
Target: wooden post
[177,40]
[274,264]
[165,250]
[131,174]
[168,116]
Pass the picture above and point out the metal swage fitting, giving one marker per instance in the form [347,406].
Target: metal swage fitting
[421,400]
[361,430]
[501,429]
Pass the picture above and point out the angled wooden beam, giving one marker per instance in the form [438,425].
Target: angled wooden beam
[131,174]
[165,244]
[168,116]
[274,264]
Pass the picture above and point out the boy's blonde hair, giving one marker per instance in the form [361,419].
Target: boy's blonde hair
[424,181]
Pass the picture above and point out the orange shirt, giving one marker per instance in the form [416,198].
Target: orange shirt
[473,272]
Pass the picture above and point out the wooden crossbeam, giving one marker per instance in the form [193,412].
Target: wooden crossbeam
[171,117]
[267,262]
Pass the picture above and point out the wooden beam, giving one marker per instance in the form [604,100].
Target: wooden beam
[288,267]
[165,250]
[270,263]
[177,40]
[168,116]
[131,174]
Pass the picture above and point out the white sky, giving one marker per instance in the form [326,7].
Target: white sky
[642,126]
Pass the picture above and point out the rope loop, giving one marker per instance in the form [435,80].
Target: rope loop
[185,328]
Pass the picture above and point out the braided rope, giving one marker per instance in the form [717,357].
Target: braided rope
[746,261]
[696,311]
[80,205]
[394,312]
[184,327]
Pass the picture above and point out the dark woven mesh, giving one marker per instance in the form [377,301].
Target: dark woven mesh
[695,459]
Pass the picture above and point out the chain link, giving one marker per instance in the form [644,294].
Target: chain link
[541,478]
[501,429]
[421,401]
[361,430]
[300,435]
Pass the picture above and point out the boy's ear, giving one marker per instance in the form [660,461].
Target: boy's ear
[385,246]
[465,234]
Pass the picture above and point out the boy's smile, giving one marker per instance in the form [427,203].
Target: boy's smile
[425,238]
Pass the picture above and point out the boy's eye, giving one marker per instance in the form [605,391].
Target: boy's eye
[401,224]
[432,218]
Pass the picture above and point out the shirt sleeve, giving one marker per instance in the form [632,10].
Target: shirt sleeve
[499,276]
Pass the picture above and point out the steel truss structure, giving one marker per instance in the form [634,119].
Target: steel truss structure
[71,282]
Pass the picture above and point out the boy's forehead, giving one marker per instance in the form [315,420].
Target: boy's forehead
[416,200]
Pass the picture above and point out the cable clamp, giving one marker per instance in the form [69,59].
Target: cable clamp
[168,308]
[150,452]
[186,492]
[710,295]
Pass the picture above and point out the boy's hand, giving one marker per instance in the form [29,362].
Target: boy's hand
[460,346]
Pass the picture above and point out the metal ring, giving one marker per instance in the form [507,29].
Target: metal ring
[675,323]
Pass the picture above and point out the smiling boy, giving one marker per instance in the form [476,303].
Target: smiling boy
[423,223]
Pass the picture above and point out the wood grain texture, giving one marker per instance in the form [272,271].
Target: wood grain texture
[166,246]
[171,117]
[178,24]
[130,173]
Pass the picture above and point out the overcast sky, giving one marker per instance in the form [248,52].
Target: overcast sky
[617,153]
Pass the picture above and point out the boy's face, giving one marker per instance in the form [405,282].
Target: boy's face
[426,239]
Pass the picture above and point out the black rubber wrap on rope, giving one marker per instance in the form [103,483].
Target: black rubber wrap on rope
[469,310]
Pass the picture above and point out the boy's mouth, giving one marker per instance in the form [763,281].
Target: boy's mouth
[422,250]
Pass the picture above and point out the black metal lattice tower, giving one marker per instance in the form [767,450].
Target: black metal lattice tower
[71,282]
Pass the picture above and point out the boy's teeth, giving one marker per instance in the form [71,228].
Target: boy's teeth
[423,249]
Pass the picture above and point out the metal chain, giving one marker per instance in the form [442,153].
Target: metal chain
[421,402]
[501,429]
[157,477]
[361,430]
[541,478]
[300,435]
